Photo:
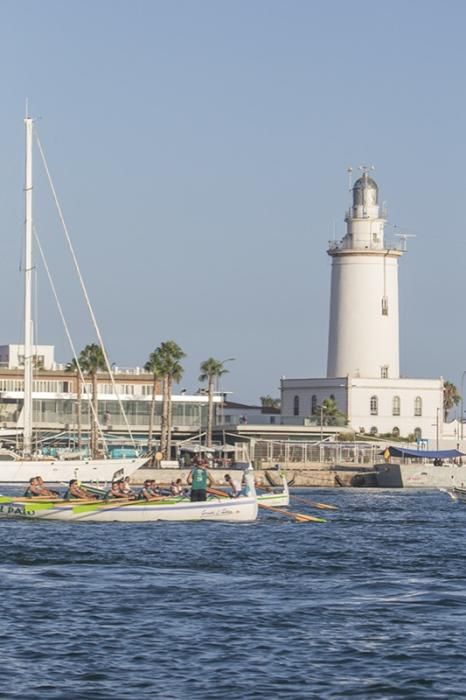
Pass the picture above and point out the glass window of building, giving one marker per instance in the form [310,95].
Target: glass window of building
[418,406]
[374,406]
[296,406]
[396,406]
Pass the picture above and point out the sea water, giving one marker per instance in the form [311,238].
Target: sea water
[371,604]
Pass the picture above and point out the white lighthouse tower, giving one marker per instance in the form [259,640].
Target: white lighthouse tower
[363,364]
[364,320]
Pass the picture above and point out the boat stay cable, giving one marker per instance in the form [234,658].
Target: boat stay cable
[69,338]
[83,286]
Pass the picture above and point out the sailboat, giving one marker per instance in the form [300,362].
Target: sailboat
[14,469]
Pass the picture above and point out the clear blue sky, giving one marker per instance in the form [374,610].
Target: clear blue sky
[200,153]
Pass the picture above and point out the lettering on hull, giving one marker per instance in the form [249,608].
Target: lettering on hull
[9,509]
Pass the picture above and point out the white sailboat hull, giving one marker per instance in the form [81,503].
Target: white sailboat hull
[20,471]
[243,509]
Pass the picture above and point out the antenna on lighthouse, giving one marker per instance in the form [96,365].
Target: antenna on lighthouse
[349,170]
[403,239]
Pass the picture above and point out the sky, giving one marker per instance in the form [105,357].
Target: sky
[199,150]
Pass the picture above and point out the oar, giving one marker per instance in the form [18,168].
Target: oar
[298,517]
[314,504]
[452,494]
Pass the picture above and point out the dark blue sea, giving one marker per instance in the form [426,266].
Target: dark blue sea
[371,604]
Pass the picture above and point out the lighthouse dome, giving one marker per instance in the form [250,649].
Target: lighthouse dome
[365,191]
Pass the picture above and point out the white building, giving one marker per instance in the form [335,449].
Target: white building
[12,356]
[363,367]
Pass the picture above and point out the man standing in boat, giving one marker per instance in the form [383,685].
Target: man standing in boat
[199,478]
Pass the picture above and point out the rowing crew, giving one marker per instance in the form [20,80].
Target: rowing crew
[119,489]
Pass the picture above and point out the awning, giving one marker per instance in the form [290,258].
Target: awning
[424,454]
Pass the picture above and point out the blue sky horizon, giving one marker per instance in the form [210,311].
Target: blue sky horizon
[200,153]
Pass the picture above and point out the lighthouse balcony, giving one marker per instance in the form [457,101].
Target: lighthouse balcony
[348,244]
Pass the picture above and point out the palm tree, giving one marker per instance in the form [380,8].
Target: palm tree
[171,371]
[92,360]
[269,402]
[73,367]
[451,398]
[328,412]
[211,369]
[154,366]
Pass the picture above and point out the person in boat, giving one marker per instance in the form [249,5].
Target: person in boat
[126,488]
[117,490]
[199,478]
[40,489]
[75,490]
[33,488]
[176,488]
[149,490]
[234,490]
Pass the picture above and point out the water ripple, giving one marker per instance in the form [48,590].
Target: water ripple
[370,605]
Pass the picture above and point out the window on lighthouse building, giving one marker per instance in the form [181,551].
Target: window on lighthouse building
[418,406]
[396,406]
[374,406]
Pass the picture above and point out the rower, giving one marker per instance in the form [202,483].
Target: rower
[176,488]
[126,488]
[75,490]
[116,490]
[33,488]
[42,489]
[149,490]
[235,491]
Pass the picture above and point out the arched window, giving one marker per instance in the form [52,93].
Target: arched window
[374,406]
[396,406]
[417,433]
[418,406]
[332,396]
[313,404]
[374,430]
[296,406]
[396,431]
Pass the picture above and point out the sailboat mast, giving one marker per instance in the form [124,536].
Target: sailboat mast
[28,324]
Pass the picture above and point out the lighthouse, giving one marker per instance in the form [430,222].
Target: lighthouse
[363,361]
[364,316]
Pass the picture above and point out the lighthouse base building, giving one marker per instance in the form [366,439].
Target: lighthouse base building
[363,374]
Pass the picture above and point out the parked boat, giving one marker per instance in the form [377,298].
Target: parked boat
[16,470]
[19,469]
[458,493]
[425,469]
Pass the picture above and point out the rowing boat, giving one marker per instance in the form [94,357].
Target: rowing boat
[242,509]
[277,497]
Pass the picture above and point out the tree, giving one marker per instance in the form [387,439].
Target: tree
[171,371]
[73,367]
[328,412]
[451,398]
[154,366]
[92,360]
[211,369]
[269,402]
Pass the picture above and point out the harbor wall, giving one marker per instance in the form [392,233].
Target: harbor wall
[316,476]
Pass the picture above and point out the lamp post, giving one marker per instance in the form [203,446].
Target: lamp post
[462,403]
[321,422]
[228,359]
